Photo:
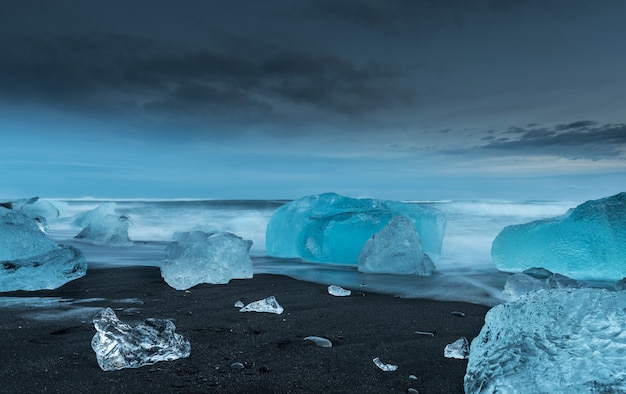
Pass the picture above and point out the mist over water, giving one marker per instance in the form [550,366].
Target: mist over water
[464,272]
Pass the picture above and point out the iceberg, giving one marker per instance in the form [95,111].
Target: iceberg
[552,341]
[197,257]
[29,260]
[330,228]
[396,249]
[587,243]
[118,345]
[103,225]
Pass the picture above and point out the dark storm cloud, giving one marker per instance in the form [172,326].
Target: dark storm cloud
[122,73]
[581,139]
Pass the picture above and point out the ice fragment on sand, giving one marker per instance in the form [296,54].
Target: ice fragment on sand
[29,260]
[239,304]
[383,366]
[586,243]
[330,228]
[268,304]
[237,365]
[458,349]
[396,249]
[338,291]
[552,341]
[319,341]
[118,345]
[198,257]
[425,333]
[104,225]
[536,279]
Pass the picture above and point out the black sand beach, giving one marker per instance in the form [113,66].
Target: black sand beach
[54,354]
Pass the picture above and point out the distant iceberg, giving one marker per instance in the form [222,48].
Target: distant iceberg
[587,243]
[552,341]
[330,228]
[104,226]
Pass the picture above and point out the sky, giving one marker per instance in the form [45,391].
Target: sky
[394,99]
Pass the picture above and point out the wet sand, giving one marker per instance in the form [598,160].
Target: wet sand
[48,349]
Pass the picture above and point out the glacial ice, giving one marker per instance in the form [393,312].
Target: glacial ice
[396,249]
[587,243]
[268,305]
[319,341]
[197,257]
[552,341]
[103,225]
[330,228]
[533,279]
[118,345]
[338,291]
[29,260]
[383,366]
[458,349]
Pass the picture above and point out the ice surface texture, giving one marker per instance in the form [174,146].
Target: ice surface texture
[396,249]
[458,349]
[536,279]
[587,243]
[330,228]
[198,257]
[29,260]
[552,341]
[103,225]
[118,345]
[268,305]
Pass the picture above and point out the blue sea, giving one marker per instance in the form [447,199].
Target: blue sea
[464,272]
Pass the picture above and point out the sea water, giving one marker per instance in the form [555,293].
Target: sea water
[464,272]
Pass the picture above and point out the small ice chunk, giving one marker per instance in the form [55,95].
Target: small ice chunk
[197,257]
[383,366]
[458,349]
[425,333]
[396,249]
[269,305]
[237,365]
[103,225]
[118,345]
[239,304]
[537,279]
[319,341]
[338,291]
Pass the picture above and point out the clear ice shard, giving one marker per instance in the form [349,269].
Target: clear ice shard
[536,279]
[269,305]
[383,366]
[29,260]
[396,249]
[198,257]
[104,226]
[552,341]
[319,341]
[330,228]
[118,345]
[586,243]
[338,291]
[458,349]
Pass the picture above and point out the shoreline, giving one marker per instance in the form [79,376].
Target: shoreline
[54,353]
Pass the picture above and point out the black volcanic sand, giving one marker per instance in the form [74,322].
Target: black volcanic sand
[55,355]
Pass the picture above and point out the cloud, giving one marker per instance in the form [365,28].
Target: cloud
[576,140]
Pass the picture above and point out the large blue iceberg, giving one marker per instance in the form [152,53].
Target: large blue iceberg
[552,341]
[587,243]
[29,260]
[330,228]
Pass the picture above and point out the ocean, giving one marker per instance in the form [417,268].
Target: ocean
[464,272]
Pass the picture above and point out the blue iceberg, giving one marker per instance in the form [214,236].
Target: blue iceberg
[29,260]
[552,341]
[330,228]
[587,243]
[197,257]
[103,225]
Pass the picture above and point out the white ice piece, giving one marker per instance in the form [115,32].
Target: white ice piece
[383,366]
[338,291]
[118,345]
[552,341]
[319,341]
[458,349]
[103,225]
[198,257]
[587,243]
[239,304]
[330,228]
[536,279]
[396,249]
[269,305]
